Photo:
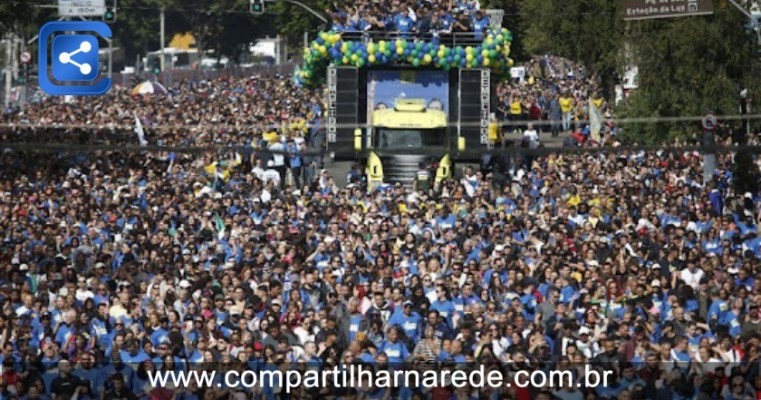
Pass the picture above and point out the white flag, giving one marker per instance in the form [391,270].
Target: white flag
[139,130]
[595,121]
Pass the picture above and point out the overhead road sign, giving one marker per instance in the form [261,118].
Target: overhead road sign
[648,9]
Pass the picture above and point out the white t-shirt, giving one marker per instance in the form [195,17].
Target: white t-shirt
[278,157]
[691,278]
[533,138]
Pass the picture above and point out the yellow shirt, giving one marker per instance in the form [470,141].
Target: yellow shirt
[493,132]
[270,137]
[597,102]
[566,104]
[516,107]
[574,200]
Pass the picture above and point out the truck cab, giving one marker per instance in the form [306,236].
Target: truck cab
[404,136]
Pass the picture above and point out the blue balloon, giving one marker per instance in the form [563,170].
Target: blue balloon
[450,59]
[319,40]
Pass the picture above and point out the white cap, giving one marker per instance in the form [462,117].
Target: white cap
[732,270]
[499,248]
[184,284]
[655,283]
[63,292]
[23,267]
[584,331]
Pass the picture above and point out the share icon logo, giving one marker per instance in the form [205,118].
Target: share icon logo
[73,58]
[67,49]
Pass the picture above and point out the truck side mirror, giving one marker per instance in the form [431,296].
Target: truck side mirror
[460,144]
[358,139]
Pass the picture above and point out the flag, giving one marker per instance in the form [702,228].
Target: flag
[595,122]
[139,130]
[296,79]
[220,225]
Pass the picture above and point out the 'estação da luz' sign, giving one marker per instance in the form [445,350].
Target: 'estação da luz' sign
[646,9]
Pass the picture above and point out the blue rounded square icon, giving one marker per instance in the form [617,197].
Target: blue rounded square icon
[75,57]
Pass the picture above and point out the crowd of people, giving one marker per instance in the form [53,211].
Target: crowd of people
[407,17]
[115,264]
[554,95]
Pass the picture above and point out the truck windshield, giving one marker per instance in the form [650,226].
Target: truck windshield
[409,138]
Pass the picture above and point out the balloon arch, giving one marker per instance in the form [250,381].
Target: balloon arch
[329,47]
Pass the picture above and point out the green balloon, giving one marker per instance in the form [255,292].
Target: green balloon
[457,58]
[416,62]
[492,53]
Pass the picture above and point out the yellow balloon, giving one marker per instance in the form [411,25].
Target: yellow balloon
[486,62]
[469,50]
[469,57]
[371,47]
[427,58]
[489,41]
[371,58]
[500,38]
[344,47]
[399,51]
[382,43]
[440,53]
[354,57]
[510,62]
[345,60]
[484,53]
[333,39]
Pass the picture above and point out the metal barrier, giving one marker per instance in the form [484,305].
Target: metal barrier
[176,75]
[447,39]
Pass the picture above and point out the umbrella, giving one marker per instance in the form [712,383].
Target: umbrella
[149,87]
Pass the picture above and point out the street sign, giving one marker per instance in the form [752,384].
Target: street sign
[81,8]
[647,9]
[26,57]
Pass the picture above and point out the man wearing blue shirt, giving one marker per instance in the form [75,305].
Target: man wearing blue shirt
[408,320]
[479,24]
[403,22]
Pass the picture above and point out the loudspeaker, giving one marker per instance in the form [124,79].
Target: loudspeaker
[475,106]
[343,108]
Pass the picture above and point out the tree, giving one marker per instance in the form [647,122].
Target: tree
[587,31]
[689,66]
[14,15]
[137,27]
[292,21]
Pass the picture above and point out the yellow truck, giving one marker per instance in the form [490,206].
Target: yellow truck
[396,137]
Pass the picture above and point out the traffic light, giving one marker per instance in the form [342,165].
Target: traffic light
[257,7]
[109,15]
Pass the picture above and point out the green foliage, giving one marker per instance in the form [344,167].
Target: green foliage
[137,27]
[14,15]
[587,31]
[687,67]
[746,174]
[221,25]
[292,21]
